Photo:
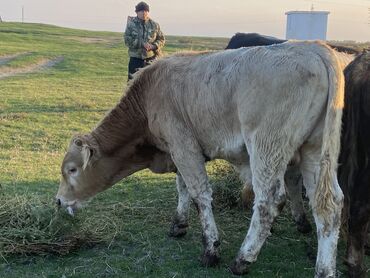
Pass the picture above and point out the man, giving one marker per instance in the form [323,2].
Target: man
[144,39]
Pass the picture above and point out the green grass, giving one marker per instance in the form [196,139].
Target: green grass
[40,111]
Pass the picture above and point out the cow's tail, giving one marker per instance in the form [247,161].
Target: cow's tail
[325,202]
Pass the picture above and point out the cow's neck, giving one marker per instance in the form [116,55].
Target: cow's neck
[125,123]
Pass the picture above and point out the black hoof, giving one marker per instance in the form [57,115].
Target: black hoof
[178,230]
[303,226]
[239,267]
[210,259]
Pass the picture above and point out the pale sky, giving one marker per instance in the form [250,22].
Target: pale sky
[348,19]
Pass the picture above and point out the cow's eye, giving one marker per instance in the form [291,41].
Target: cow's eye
[72,171]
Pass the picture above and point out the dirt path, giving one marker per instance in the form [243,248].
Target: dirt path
[39,66]
[7,58]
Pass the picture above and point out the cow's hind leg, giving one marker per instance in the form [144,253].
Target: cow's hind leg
[180,220]
[268,166]
[367,242]
[357,234]
[294,185]
[245,174]
[327,220]
[358,225]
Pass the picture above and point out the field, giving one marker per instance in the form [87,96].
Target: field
[57,82]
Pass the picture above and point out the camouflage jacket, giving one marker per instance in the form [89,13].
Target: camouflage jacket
[139,32]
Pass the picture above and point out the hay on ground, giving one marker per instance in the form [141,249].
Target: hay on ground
[226,185]
[29,226]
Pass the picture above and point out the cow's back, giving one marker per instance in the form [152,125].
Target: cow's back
[218,94]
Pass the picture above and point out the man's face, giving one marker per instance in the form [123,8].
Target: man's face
[143,15]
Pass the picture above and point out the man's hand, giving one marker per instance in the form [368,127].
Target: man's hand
[149,46]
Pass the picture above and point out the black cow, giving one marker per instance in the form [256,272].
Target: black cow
[251,39]
[354,161]
[255,39]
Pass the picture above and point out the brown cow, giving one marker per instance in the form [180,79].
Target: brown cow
[182,110]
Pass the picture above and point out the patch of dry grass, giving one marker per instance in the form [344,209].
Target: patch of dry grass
[30,226]
[226,185]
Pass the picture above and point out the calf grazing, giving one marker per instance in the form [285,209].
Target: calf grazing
[354,170]
[270,102]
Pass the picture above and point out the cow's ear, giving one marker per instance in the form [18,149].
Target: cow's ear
[87,155]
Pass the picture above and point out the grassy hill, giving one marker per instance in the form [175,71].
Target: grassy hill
[56,82]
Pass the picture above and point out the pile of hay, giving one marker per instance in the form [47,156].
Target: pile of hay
[33,225]
[29,225]
[226,185]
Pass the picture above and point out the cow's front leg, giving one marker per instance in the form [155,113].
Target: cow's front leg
[180,220]
[191,165]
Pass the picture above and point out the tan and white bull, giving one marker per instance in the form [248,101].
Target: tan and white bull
[270,102]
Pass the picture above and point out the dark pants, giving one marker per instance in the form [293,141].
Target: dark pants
[135,64]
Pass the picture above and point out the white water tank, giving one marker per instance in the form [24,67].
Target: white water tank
[306,25]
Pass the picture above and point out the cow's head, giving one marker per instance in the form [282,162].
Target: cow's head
[80,178]
[87,170]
